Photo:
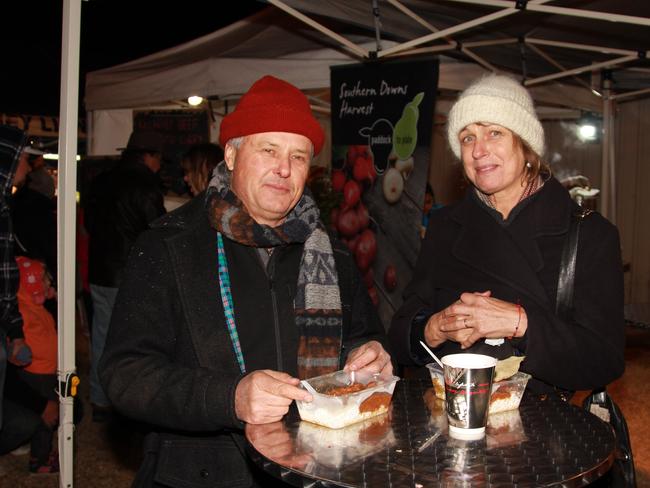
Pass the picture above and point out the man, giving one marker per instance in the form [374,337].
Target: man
[233,297]
[121,204]
[16,423]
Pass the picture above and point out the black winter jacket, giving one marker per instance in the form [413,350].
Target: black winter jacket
[121,204]
[34,218]
[169,360]
[467,250]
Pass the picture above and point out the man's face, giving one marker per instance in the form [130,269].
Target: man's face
[152,161]
[269,173]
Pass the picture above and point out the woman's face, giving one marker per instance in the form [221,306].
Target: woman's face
[492,161]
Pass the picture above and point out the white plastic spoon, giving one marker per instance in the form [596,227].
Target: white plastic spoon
[308,387]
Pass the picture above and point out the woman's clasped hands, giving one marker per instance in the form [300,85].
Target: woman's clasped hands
[473,317]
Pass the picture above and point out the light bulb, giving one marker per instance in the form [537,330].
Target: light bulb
[587,132]
[194,100]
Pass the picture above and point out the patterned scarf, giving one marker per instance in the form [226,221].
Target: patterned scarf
[317,305]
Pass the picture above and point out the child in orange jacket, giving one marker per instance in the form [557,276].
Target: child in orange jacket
[40,333]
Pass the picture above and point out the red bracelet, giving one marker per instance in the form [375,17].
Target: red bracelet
[514,334]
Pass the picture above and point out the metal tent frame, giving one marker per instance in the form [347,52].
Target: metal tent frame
[616,57]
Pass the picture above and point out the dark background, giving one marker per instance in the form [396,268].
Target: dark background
[112,32]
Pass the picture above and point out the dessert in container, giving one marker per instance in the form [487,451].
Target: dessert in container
[341,400]
[506,394]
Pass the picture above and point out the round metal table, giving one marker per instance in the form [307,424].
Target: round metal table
[546,442]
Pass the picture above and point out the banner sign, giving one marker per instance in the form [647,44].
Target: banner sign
[382,122]
[181,129]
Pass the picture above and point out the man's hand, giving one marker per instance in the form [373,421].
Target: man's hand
[371,357]
[264,396]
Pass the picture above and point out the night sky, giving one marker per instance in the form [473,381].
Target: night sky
[112,32]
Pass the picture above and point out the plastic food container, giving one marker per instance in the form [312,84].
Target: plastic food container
[506,395]
[437,379]
[337,404]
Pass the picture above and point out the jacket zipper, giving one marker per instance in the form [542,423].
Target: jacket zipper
[276,319]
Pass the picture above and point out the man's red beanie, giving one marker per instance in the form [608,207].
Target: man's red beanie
[272,105]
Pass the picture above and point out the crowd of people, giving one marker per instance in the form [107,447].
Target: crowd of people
[206,318]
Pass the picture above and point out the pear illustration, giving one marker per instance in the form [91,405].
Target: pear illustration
[405,134]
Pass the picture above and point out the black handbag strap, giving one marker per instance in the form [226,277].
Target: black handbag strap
[622,473]
[566,277]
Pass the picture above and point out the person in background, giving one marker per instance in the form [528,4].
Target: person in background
[198,163]
[487,274]
[40,375]
[16,423]
[233,297]
[428,206]
[121,204]
[33,210]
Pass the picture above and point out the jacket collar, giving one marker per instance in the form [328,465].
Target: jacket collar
[193,252]
[512,255]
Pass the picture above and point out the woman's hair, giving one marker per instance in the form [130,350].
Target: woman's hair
[537,166]
[199,162]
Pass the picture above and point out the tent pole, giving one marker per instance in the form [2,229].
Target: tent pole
[449,31]
[66,231]
[457,28]
[321,28]
[578,46]
[552,61]
[573,12]
[453,44]
[606,203]
[582,69]
[634,93]
[377,19]
[609,113]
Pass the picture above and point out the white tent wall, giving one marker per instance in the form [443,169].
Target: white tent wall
[110,129]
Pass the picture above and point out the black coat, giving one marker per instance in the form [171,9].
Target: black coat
[467,250]
[34,218]
[121,204]
[169,360]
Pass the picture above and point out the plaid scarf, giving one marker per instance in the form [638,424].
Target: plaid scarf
[317,305]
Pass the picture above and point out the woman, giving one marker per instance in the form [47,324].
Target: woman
[198,163]
[487,274]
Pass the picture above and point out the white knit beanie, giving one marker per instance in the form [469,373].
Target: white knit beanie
[496,99]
